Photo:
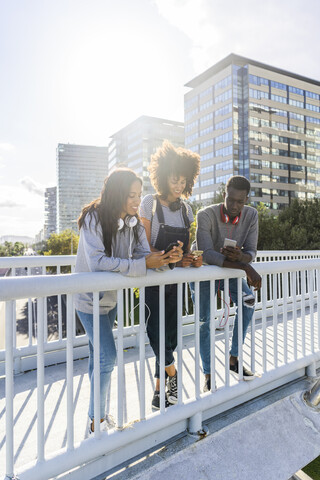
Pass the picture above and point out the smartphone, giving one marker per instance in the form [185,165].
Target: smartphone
[170,247]
[228,242]
[197,253]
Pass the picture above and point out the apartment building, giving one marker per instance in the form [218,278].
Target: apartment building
[50,211]
[81,170]
[133,145]
[247,118]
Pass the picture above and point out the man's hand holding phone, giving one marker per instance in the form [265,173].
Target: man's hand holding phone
[231,251]
[197,258]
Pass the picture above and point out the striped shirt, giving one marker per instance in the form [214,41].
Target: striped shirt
[173,219]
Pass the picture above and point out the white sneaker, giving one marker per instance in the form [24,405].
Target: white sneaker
[107,424]
[110,421]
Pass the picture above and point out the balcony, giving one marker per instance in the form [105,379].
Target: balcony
[44,409]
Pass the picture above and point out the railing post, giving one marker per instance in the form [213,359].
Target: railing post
[96,363]
[212,335]
[226,332]
[195,427]
[311,370]
[179,338]
[240,328]
[264,292]
[121,385]
[70,331]
[9,390]
[59,310]
[40,379]
[275,319]
[142,354]
[197,340]
[162,346]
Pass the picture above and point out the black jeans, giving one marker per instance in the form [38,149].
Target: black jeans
[152,301]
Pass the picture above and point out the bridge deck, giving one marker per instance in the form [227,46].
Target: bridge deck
[25,401]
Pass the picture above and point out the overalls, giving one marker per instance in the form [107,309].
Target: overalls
[166,235]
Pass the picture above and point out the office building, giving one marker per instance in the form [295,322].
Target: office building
[50,211]
[247,118]
[133,145]
[81,170]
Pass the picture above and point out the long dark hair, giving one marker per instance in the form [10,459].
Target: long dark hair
[109,206]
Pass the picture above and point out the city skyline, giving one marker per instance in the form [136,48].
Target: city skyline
[77,72]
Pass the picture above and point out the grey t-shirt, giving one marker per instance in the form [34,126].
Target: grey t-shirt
[173,219]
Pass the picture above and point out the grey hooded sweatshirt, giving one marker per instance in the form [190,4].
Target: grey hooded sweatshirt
[128,258]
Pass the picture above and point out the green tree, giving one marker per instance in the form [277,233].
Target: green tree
[9,249]
[295,228]
[300,225]
[18,249]
[268,238]
[219,194]
[63,243]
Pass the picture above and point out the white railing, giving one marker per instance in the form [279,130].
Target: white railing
[55,310]
[284,339]
[276,255]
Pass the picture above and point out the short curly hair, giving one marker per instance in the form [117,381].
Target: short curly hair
[239,183]
[169,160]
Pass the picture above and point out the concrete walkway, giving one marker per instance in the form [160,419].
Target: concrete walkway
[268,438]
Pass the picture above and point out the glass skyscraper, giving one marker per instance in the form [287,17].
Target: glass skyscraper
[247,118]
[81,170]
[50,211]
[133,145]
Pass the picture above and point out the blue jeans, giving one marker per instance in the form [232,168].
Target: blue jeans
[108,355]
[247,313]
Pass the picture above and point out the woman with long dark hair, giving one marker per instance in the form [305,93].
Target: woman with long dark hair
[111,239]
[167,218]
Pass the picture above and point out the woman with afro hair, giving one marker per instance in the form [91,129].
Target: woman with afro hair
[167,219]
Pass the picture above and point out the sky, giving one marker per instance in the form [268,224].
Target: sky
[77,71]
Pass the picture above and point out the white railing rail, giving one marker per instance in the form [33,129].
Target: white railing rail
[55,342]
[289,284]
[70,260]
[276,255]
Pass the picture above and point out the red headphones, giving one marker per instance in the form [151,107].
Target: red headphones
[225,218]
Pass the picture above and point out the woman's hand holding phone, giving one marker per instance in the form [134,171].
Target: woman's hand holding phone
[170,256]
[175,252]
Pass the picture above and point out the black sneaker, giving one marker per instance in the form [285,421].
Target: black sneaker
[207,383]
[156,401]
[172,389]
[247,374]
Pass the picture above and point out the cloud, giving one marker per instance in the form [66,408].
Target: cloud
[269,32]
[15,225]
[21,212]
[9,203]
[7,147]
[32,186]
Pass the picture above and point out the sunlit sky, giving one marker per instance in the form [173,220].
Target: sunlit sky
[77,71]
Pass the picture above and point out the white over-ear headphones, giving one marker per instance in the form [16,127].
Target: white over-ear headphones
[129,221]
